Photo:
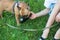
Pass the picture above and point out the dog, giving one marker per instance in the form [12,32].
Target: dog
[20,9]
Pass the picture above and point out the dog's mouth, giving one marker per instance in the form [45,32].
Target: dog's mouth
[25,18]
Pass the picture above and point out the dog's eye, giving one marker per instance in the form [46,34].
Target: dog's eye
[19,7]
[28,8]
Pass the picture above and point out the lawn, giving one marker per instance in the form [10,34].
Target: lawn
[8,33]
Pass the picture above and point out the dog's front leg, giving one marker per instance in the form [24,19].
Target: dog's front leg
[1,14]
[17,16]
[1,9]
[17,19]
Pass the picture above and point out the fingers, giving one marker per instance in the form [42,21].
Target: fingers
[33,16]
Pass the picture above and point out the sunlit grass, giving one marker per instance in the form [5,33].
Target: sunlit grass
[7,33]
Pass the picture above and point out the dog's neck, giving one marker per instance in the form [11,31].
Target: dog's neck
[8,5]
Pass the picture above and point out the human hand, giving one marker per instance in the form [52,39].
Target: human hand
[33,16]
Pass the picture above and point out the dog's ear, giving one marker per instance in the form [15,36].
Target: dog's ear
[32,13]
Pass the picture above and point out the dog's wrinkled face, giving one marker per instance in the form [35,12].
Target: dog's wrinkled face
[24,9]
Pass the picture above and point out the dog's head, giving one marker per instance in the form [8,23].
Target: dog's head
[24,11]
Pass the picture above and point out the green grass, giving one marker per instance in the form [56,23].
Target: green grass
[7,33]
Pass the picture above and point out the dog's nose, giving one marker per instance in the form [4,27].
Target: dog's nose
[22,19]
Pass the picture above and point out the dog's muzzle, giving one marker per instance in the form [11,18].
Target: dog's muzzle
[24,18]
